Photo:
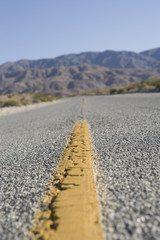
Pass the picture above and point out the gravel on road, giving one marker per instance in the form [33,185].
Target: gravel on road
[31,144]
[125,131]
[126,134]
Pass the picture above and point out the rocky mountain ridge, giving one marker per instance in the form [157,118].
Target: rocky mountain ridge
[110,59]
[75,73]
[68,80]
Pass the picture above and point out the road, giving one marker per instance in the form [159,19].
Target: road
[125,131]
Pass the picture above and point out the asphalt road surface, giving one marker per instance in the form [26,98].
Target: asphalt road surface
[125,131]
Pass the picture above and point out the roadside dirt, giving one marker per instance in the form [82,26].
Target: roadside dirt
[11,110]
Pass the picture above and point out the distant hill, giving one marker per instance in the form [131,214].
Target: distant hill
[154,53]
[71,79]
[74,73]
[110,59]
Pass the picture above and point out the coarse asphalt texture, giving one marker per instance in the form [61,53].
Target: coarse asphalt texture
[125,131]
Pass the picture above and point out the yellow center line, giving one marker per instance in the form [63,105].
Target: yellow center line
[83,102]
[70,207]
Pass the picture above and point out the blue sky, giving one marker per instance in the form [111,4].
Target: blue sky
[33,29]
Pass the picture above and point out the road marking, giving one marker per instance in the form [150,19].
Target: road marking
[83,102]
[71,207]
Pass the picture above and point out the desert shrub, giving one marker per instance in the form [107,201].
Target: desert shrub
[157,85]
[150,83]
[131,88]
[113,91]
[36,101]
[44,97]
[98,92]
[25,102]
[1,103]
[11,103]
[121,90]
[56,97]
[141,85]
[153,83]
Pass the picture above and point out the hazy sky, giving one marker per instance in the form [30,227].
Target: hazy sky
[33,29]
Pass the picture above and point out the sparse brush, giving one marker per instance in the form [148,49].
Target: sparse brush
[44,97]
[25,102]
[113,91]
[157,85]
[11,103]
[23,99]
[121,90]
[1,103]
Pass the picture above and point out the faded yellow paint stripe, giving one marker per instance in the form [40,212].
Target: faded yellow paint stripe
[83,102]
[71,207]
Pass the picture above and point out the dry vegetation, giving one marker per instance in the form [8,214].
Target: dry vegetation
[9,100]
[22,99]
[152,85]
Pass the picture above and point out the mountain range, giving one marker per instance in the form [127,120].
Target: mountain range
[74,73]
